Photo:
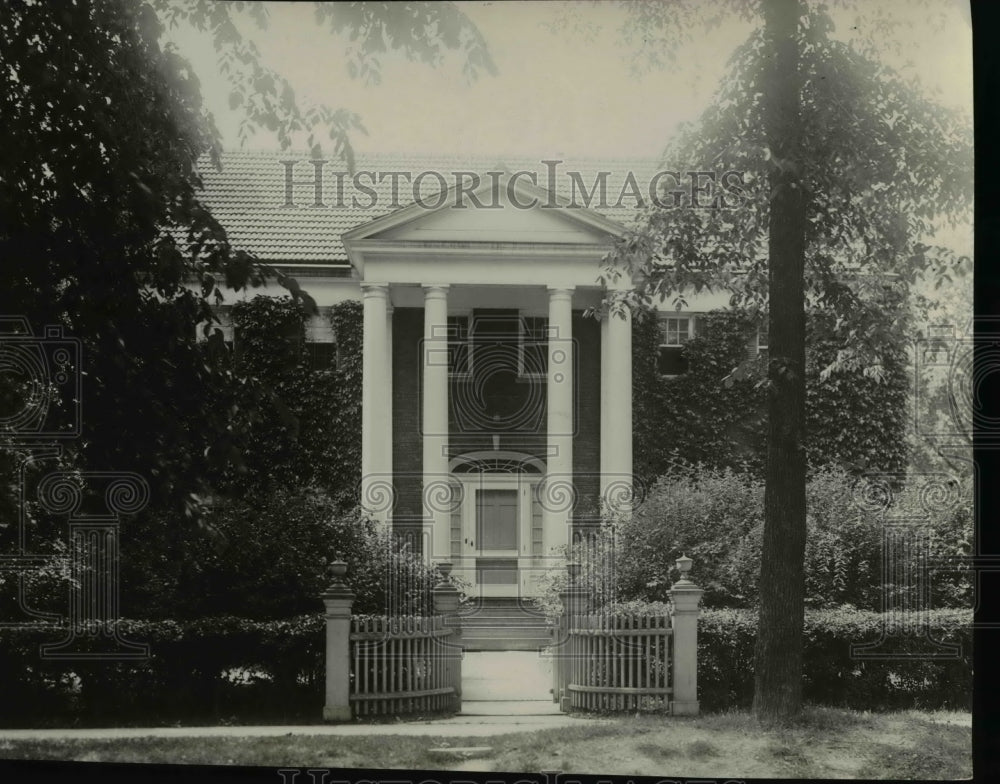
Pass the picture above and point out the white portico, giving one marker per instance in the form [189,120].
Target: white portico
[495,415]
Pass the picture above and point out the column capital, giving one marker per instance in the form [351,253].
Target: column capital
[435,291]
[557,291]
[374,289]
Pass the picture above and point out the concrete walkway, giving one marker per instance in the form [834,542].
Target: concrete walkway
[506,676]
[477,720]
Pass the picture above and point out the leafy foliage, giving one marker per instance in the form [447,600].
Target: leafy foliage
[701,416]
[211,669]
[716,517]
[310,433]
[271,671]
[714,417]
[847,172]
[881,168]
[224,669]
[857,417]
[266,555]
[103,229]
[830,675]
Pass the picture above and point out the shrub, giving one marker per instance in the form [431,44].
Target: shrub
[716,518]
[701,514]
[194,672]
[266,556]
[242,669]
[726,639]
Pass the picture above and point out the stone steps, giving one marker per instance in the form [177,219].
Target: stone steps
[504,625]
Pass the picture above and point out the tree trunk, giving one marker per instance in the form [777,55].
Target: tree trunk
[778,652]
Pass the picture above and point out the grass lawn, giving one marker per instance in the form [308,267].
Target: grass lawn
[824,743]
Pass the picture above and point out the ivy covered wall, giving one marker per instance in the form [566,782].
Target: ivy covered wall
[311,433]
[712,416]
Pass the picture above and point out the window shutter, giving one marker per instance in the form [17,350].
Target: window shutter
[458,344]
[671,361]
[237,342]
[322,356]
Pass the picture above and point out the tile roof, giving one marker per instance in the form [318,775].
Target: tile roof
[248,196]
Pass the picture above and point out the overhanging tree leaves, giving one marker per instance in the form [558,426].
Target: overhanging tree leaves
[101,225]
[848,171]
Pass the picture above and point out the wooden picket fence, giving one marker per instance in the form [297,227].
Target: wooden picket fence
[615,662]
[404,665]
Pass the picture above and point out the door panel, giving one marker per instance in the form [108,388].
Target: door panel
[496,520]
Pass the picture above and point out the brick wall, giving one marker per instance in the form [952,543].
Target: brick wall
[407,449]
[587,443]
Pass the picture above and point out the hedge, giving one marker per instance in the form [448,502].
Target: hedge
[275,673]
[275,670]
[726,640]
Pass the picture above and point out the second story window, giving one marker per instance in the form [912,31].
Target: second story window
[321,348]
[675,331]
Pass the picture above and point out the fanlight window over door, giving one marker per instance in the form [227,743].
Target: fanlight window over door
[497,463]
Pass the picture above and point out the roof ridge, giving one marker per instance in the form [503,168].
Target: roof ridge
[479,157]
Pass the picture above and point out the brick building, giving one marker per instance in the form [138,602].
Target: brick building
[497,413]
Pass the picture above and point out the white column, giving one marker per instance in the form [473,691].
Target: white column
[616,403]
[375,404]
[604,398]
[558,494]
[387,425]
[436,502]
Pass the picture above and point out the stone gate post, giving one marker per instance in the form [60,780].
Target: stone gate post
[576,600]
[446,598]
[685,597]
[338,599]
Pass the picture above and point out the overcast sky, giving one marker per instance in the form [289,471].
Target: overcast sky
[556,93]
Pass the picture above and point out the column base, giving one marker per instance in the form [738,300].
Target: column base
[337,713]
[685,708]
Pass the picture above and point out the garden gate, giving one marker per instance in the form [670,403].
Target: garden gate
[391,665]
[627,661]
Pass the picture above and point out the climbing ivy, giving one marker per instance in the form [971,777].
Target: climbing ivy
[715,417]
[310,434]
[699,416]
[853,417]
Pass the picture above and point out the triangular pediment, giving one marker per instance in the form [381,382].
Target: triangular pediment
[502,209]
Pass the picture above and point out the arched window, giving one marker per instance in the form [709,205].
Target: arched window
[497,463]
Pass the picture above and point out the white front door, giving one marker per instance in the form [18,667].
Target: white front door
[497,535]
